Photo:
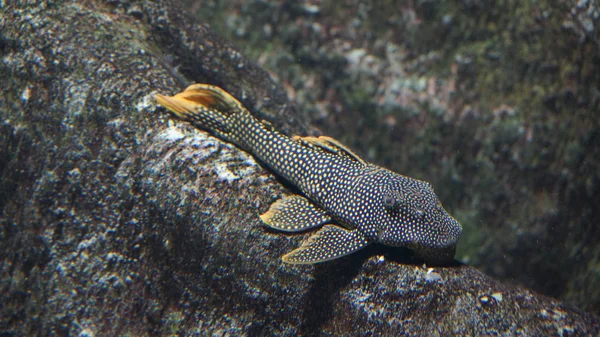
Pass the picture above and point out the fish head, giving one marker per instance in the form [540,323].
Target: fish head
[413,216]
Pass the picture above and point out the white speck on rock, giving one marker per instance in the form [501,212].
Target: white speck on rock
[433,276]
[172,134]
[497,296]
[26,94]
[76,98]
[224,174]
[146,103]
[355,56]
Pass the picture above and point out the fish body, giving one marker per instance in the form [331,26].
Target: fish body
[354,202]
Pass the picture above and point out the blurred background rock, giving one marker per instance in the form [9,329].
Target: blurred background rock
[495,103]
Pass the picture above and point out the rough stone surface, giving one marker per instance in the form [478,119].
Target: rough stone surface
[494,102]
[119,220]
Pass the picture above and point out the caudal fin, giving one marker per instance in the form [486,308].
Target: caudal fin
[206,106]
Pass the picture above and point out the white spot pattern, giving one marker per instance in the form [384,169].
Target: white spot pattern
[370,202]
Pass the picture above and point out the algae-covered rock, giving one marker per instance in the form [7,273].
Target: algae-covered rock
[118,219]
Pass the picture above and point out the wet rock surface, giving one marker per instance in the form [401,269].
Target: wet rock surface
[119,220]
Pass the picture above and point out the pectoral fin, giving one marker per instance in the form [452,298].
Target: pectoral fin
[294,214]
[329,243]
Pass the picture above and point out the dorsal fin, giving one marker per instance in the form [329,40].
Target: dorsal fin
[330,145]
[268,125]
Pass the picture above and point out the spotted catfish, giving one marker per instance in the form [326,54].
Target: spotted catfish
[355,202]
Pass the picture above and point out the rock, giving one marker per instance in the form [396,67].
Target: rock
[120,220]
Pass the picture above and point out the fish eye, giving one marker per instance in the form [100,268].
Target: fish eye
[389,201]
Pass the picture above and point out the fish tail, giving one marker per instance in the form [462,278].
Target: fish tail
[208,107]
